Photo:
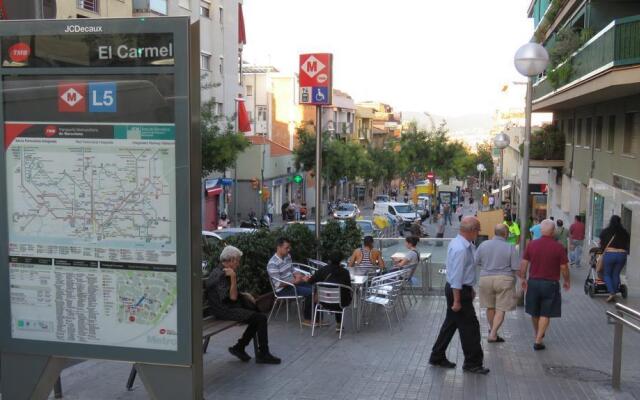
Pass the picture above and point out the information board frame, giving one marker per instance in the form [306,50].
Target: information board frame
[187,171]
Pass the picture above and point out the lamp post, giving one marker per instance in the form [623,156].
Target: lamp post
[530,60]
[501,141]
[481,168]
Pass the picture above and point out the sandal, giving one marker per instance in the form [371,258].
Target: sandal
[497,340]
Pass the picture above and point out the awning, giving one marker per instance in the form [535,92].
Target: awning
[504,188]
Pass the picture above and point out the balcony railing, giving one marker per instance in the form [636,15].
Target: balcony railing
[89,5]
[616,45]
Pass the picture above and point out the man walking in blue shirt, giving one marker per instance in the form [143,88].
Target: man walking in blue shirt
[461,315]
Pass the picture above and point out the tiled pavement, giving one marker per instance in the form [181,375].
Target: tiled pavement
[375,364]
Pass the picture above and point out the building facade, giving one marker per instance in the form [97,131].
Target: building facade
[593,95]
[386,124]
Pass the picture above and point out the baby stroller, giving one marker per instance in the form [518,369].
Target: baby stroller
[595,284]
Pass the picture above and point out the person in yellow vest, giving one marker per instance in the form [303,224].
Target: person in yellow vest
[514,231]
[485,201]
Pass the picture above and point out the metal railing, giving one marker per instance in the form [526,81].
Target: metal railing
[620,321]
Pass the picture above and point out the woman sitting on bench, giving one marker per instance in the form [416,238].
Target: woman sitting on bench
[226,303]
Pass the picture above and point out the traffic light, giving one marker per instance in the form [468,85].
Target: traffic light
[255,184]
[297,179]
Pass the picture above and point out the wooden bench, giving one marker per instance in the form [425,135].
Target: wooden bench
[210,327]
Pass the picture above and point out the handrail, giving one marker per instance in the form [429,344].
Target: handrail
[620,322]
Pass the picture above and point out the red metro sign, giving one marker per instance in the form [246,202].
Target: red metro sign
[19,52]
[316,80]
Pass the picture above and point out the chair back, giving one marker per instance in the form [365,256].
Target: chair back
[328,293]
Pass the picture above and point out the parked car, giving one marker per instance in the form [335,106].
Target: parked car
[311,225]
[368,228]
[209,239]
[228,232]
[346,211]
[406,213]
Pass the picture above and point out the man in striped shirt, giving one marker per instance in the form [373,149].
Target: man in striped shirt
[280,268]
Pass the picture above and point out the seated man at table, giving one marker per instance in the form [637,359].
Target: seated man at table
[334,273]
[279,267]
[412,256]
[226,303]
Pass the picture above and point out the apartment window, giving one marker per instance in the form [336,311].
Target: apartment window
[89,5]
[570,131]
[597,142]
[205,61]
[221,65]
[579,133]
[204,11]
[628,141]
[221,16]
[598,215]
[249,91]
[588,132]
[158,6]
[611,133]
[218,108]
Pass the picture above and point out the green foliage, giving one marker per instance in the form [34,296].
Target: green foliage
[546,144]
[257,249]
[547,20]
[333,237]
[567,42]
[303,242]
[560,75]
[220,143]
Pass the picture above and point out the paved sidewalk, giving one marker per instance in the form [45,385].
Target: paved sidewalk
[375,364]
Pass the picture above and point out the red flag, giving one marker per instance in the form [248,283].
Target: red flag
[244,123]
[242,35]
[3,12]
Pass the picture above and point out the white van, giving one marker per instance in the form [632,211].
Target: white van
[405,211]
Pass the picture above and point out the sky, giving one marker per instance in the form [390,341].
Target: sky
[447,57]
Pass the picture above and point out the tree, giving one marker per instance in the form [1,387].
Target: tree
[220,143]
[547,143]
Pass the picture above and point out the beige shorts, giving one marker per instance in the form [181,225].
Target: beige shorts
[498,291]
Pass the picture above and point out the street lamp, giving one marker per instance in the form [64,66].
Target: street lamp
[481,168]
[530,60]
[501,141]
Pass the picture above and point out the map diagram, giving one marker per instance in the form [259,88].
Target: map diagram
[145,298]
[110,196]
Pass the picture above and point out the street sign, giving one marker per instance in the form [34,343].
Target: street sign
[431,175]
[316,78]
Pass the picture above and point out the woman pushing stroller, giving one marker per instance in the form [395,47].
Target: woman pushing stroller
[614,244]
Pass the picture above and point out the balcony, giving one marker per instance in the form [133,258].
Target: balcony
[616,46]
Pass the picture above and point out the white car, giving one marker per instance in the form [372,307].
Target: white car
[346,211]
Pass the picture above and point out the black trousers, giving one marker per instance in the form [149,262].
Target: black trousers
[257,323]
[464,321]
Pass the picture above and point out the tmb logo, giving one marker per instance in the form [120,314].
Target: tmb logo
[72,97]
[19,52]
[50,130]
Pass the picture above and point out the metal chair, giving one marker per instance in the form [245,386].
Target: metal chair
[409,271]
[383,291]
[316,263]
[330,293]
[279,299]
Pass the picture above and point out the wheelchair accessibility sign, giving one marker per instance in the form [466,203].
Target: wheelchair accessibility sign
[320,95]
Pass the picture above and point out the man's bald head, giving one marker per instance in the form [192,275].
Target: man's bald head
[547,227]
[501,230]
[469,224]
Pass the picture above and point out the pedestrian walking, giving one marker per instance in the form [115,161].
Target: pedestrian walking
[535,231]
[447,213]
[485,201]
[459,211]
[614,244]
[514,230]
[270,211]
[498,262]
[544,259]
[440,229]
[562,233]
[576,236]
[285,210]
[461,315]
[492,202]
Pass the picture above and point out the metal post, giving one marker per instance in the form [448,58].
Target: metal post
[501,181]
[524,181]
[617,354]
[318,169]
